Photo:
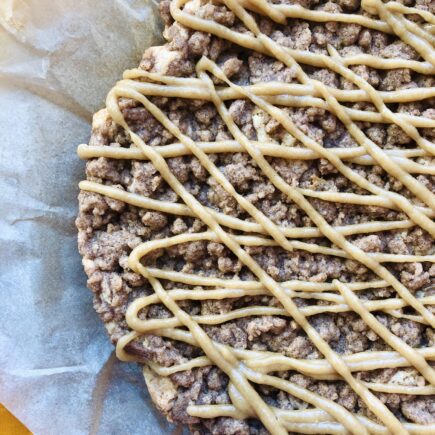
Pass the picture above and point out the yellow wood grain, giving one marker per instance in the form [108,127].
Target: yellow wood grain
[10,425]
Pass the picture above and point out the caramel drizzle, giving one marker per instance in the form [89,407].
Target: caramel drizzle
[177,150]
[245,367]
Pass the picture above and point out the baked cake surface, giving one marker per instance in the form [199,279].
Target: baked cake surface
[257,219]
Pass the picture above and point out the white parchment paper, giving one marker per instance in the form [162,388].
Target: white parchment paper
[58,59]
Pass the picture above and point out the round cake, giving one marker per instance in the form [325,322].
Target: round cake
[256,222]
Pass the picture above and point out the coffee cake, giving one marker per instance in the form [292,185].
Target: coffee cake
[257,219]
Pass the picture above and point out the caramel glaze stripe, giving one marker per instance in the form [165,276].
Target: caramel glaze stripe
[299,199]
[87,151]
[122,343]
[299,12]
[331,407]
[263,360]
[252,289]
[379,387]
[224,293]
[148,326]
[364,361]
[176,87]
[315,399]
[288,100]
[222,32]
[353,198]
[417,30]
[272,149]
[180,294]
[327,405]
[261,241]
[398,24]
[406,164]
[246,226]
[235,374]
[296,285]
[306,57]
[402,9]
[175,208]
[309,421]
[141,303]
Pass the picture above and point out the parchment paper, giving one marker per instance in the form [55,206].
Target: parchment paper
[58,59]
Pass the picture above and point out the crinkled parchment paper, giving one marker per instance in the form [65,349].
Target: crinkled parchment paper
[58,59]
